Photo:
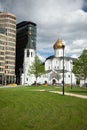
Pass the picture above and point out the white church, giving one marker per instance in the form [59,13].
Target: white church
[53,66]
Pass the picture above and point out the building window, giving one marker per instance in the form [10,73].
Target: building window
[27,53]
[57,67]
[31,54]
[69,76]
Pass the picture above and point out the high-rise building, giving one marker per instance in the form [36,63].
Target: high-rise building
[26,43]
[7,47]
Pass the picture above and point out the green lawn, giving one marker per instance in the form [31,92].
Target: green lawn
[77,90]
[25,108]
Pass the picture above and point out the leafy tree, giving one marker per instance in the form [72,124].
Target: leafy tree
[37,68]
[80,66]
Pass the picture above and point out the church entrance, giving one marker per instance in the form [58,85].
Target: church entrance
[54,81]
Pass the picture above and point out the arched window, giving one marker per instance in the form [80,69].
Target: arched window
[31,54]
[27,53]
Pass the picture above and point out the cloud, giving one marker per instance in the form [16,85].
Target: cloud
[41,57]
[74,56]
[55,19]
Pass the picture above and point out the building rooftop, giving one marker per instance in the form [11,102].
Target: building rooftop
[58,44]
[52,57]
[25,23]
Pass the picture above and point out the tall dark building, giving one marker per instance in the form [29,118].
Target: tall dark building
[25,39]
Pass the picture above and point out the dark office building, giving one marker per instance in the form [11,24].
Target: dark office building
[25,39]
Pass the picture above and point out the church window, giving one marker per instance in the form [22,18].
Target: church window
[27,53]
[30,28]
[69,76]
[31,54]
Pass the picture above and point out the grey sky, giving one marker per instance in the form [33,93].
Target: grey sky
[55,19]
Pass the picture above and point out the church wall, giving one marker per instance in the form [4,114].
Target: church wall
[29,55]
[57,64]
[58,52]
[48,65]
[52,64]
[70,78]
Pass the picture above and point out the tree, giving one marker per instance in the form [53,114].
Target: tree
[80,66]
[37,68]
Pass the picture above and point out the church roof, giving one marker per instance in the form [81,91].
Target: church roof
[58,44]
[53,57]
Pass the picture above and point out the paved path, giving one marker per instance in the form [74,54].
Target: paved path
[71,94]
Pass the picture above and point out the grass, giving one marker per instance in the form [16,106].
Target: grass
[75,89]
[25,109]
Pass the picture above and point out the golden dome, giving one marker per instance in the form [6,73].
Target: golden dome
[58,44]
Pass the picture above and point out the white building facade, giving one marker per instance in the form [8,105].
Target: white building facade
[29,55]
[53,67]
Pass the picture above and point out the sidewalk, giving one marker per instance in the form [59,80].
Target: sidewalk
[71,94]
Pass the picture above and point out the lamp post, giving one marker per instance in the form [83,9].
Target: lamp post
[63,46]
[71,79]
[71,74]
